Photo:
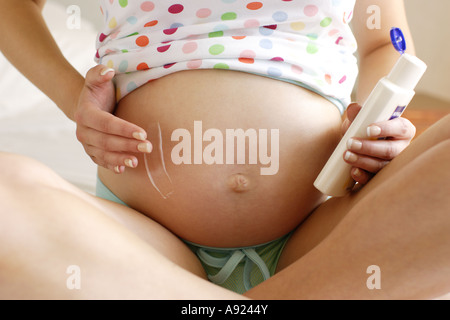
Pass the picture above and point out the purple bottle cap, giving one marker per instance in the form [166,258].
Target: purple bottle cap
[398,40]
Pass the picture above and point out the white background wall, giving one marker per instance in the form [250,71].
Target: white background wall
[430,24]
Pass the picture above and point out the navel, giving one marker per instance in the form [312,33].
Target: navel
[238,183]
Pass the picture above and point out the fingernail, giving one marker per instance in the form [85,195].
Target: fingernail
[373,131]
[117,169]
[139,136]
[354,144]
[129,163]
[106,70]
[357,173]
[350,156]
[145,147]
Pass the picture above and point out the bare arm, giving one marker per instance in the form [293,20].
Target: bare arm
[27,43]
[376,54]
[376,59]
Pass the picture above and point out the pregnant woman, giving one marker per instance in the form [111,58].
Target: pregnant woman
[180,212]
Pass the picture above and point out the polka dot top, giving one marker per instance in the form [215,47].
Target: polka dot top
[305,42]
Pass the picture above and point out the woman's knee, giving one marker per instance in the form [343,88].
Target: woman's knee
[444,127]
[443,154]
[22,170]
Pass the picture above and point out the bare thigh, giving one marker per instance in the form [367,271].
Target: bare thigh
[325,218]
[47,227]
[31,174]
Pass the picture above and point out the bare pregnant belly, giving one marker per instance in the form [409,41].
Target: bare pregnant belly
[240,152]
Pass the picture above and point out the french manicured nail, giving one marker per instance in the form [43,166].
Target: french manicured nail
[373,131]
[346,123]
[354,144]
[117,169]
[129,163]
[139,136]
[106,70]
[145,147]
[350,156]
[357,173]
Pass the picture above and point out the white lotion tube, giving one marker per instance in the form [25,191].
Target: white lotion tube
[388,100]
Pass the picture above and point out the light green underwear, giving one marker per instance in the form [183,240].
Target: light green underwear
[236,269]
[240,269]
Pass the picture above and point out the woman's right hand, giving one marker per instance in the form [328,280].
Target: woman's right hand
[107,139]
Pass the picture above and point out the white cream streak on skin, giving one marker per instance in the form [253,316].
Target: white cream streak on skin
[213,153]
[162,166]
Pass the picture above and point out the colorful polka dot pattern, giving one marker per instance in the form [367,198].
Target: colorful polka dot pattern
[303,41]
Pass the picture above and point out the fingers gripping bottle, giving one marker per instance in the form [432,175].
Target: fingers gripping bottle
[388,100]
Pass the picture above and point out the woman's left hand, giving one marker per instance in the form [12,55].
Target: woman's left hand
[386,141]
